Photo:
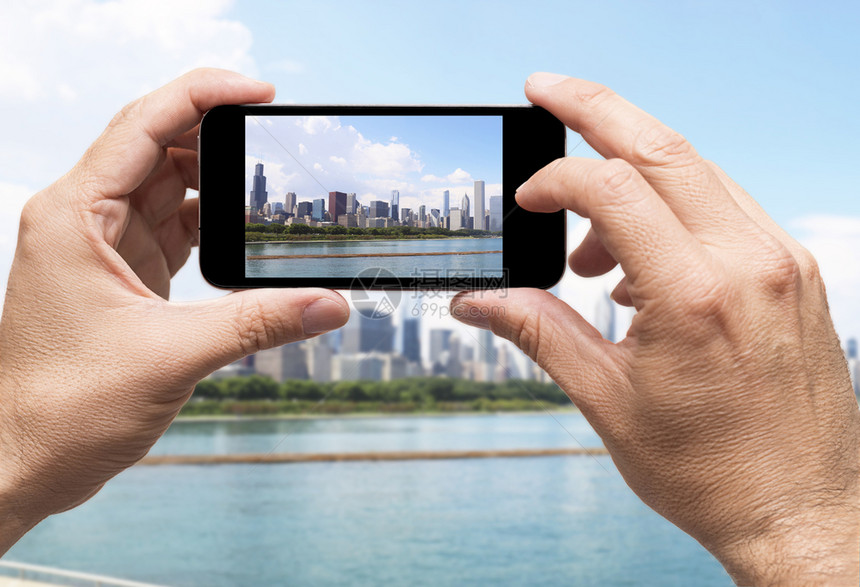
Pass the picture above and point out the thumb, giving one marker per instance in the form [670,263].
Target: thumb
[554,335]
[214,333]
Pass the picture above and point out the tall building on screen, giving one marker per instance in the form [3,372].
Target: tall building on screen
[395,204]
[259,196]
[290,203]
[479,205]
[319,210]
[336,205]
[495,213]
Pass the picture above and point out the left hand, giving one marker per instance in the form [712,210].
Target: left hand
[94,361]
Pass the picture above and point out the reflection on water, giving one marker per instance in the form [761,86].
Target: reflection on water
[377,434]
[525,521]
[485,264]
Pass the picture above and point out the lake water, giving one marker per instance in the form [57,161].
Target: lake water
[484,264]
[516,521]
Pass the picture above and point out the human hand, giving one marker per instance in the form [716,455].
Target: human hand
[94,361]
[728,407]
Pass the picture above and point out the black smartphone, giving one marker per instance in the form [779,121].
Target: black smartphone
[376,197]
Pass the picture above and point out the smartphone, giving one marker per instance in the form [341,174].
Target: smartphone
[376,197]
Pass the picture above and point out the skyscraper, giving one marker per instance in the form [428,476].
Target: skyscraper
[290,202]
[495,213]
[479,205]
[439,342]
[395,204]
[411,340]
[259,196]
[336,205]
[318,213]
[377,209]
[367,335]
[304,209]
[350,203]
[284,362]
[446,204]
[486,359]
[465,210]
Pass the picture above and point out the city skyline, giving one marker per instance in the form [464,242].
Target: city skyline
[346,209]
[314,155]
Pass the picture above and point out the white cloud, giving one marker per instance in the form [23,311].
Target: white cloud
[338,160]
[302,149]
[835,243]
[391,160]
[457,177]
[66,66]
[313,125]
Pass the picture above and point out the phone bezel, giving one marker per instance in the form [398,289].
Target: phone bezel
[533,244]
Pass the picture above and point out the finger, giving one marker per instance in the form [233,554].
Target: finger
[617,128]
[178,234]
[556,337]
[620,295]
[214,333]
[164,190]
[124,155]
[187,140]
[591,258]
[633,223]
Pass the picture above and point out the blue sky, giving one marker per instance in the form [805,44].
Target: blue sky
[766,89]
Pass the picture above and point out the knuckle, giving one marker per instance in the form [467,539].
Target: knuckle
[808,266]
[527,335]
[255,330]
[656,145]
[780,273]
[32,215]
[617,177]
[128,113]
[593,94]
[710,299]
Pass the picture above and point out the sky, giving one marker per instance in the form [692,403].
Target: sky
[420,156]
[766,89]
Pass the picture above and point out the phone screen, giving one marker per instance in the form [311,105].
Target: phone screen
[376,197]
[336,196]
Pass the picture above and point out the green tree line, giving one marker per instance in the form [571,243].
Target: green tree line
[257,394]
[261,232]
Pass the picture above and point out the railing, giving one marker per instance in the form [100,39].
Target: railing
[26,570]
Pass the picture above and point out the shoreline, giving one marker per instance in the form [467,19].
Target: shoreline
[362,415]
[369,240]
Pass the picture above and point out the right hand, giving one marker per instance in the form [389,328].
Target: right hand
[728,407]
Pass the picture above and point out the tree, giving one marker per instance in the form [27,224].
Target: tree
[300,229]
[207,389]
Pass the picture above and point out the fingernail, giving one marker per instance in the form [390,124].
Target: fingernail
[544,80]
[322,315]
[471,315]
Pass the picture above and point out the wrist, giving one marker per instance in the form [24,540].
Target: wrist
[16,517]
[813,550]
